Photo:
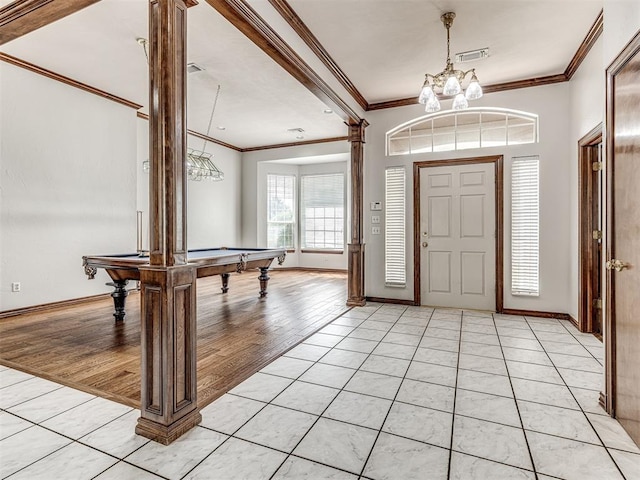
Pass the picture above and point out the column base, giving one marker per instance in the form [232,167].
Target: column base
[355,276]
[165,434]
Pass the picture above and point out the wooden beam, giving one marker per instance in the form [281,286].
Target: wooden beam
[245,19]
[24,16]
[292,18]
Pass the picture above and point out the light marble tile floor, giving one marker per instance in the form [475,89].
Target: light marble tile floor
[383,392]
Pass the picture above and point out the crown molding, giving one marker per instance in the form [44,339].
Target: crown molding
[23,16]
[202,136]
[295,144]
[292,18]
[66,80]
[585,47]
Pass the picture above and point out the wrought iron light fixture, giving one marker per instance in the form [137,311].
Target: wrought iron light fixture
[449,81]
[199,163]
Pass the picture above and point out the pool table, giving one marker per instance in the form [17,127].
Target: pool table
[208,261]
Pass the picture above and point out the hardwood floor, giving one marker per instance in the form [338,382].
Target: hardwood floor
[238,333]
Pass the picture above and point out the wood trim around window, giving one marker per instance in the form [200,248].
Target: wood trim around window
[497,160]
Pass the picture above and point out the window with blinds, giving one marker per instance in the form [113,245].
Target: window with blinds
[394,251]
[525,224]
[281,211]
[322,207]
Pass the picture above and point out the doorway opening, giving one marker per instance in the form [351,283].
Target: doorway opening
[590,242]
[474,270]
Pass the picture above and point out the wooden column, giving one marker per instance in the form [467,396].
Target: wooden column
[168,334]
[355,274]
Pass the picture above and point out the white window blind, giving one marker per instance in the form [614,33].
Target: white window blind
[280,211]
[525,206]
[322,207]
[395,231]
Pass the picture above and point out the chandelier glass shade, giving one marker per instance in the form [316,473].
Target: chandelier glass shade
[199,167]
[449,81]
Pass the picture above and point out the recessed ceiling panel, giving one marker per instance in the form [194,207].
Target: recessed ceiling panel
[386,46]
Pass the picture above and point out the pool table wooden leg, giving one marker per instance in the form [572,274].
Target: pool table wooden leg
[225,282]
[264,279]
[119,296]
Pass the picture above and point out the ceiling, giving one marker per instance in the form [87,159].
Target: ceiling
[384,47]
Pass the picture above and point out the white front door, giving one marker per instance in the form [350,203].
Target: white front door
[457,236]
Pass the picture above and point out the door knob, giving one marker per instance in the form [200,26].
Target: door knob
[425,244]
[617,265]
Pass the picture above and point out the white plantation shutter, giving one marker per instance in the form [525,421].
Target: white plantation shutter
[322,210]
[394,252]
[525,207]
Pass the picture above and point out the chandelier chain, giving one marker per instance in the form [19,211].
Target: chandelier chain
[215,102]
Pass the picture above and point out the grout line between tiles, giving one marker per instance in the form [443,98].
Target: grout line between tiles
[515,400]
[581,409]
[373,446]
[455,396]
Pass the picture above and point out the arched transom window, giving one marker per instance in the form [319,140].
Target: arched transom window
[460,130]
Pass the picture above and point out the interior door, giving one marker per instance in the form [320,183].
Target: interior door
[623,157]
[457,236]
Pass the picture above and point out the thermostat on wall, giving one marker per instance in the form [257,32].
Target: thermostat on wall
[376,205]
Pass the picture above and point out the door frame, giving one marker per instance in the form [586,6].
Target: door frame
[608,397]
[497,160]
[587,208]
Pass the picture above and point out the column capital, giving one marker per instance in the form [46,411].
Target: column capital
[356,131]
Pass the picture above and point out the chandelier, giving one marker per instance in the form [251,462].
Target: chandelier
[199,164]
[449,81]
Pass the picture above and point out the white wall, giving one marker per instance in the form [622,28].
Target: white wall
[587,89]
[551,103]
[621,23]
[213,208]
[67,187]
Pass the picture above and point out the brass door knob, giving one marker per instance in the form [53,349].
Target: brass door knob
[617,265]
[425,244]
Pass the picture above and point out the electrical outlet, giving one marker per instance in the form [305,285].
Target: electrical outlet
[375,230]
[15,286]
[375,218]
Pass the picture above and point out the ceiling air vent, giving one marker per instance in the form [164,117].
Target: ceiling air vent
[194,68]
[298,132]
[472,55]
